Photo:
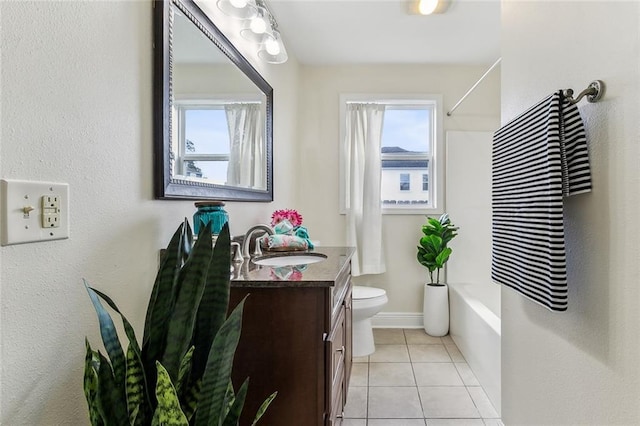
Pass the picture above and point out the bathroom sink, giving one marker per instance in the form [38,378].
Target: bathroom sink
[289,259]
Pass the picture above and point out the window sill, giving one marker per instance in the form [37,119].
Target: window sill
[421,212]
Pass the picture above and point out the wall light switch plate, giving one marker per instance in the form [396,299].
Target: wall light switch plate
[33,211]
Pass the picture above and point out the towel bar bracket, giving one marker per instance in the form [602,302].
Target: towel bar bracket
[594,93]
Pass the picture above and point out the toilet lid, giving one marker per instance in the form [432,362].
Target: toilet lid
[361,292]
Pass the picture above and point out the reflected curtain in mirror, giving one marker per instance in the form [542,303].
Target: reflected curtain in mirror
[247,156]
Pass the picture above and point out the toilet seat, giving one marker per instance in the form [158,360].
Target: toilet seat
[362,292]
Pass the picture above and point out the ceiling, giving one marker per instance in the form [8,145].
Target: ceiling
[323,32]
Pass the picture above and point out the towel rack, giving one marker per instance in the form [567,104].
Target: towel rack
[594,93]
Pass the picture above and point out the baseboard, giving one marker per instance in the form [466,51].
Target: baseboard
[397,320]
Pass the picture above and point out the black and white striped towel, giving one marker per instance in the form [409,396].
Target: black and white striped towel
[538,158]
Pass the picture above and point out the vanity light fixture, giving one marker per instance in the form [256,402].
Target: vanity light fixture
[239,9]
[273,50]
[260,27]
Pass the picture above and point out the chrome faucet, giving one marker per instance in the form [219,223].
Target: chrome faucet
[237,256]
[247,239]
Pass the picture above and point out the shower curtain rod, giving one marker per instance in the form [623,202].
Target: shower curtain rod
[473,87]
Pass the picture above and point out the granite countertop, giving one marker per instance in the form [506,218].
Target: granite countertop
[320,274]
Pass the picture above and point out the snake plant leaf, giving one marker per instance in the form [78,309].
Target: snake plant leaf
[160,306]
[263,407]
[233,416]
[109,339]
[135,363]
[135,389]
[112,403]
[218,370]
[91,386]
[192,278]
[229,397]
[187,240]
[160,301]
[214,304]
[189,399]
[184,371]
[168,411]
[128,329]
[133,417]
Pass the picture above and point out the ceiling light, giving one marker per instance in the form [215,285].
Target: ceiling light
[427,7]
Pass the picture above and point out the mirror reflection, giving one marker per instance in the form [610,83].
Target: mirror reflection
[213,112]
[218,114]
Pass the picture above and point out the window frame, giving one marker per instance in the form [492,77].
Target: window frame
[217,102]
[408,181]
[436,160]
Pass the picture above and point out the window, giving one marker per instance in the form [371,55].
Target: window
[203,151]
[425,182]
[411,147]
[405,182]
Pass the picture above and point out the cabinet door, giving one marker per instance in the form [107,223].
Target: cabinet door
[335,372]
[348,340]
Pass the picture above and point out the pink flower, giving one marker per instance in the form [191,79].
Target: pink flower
[289,214]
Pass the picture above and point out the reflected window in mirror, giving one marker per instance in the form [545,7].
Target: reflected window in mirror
[221,142]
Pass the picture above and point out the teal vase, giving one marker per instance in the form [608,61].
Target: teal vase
[210,212]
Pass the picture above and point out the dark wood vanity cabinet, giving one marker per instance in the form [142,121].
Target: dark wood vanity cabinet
[296,339]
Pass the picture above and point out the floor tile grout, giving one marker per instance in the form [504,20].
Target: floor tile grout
[453,360]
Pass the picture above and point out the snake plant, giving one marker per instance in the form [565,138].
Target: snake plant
[181,374]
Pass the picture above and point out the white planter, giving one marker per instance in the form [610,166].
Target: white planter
[436,309]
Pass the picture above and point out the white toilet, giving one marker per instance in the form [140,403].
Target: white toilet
[367,301]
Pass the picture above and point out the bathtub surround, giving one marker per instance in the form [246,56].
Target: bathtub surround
[475,328]
[474,301]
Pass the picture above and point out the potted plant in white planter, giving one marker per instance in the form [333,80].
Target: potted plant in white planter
[433,253]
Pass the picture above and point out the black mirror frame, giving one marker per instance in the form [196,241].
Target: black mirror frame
[165,186]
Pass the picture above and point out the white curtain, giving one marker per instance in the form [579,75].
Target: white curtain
[247,161]
[363,176]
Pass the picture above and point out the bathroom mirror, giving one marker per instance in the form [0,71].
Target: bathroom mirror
[213,112]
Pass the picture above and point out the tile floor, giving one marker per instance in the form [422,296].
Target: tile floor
[414,379]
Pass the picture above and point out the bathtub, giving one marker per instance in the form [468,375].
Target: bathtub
[475,328]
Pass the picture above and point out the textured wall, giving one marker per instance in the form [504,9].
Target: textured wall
[76,107]
[319,130]
[581,366]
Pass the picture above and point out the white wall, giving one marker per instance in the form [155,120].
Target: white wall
[318,155]
[581,366]
[76,107]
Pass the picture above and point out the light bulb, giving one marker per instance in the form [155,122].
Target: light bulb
[427,7]
[238,3]
[272,46]
[258,25]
